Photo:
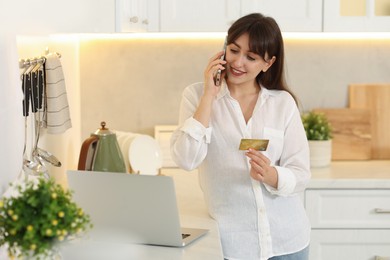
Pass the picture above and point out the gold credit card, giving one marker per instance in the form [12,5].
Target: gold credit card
[257,144]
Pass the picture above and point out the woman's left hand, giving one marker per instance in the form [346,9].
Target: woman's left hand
[261,169]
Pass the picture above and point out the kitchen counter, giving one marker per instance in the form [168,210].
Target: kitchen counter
[340,174]
[372,174]
[352,175]
[193,211]
[193,214]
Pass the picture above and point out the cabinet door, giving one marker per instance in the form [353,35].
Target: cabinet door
[137,15]
[198,16]
[350,244]
[291,15]
[356,15]
[348,208]
[46,16]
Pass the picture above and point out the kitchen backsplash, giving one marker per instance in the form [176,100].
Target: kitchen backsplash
[134,83]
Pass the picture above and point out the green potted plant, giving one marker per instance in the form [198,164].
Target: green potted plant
[319,134]
[40,215]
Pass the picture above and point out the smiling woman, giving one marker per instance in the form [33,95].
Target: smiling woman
[253,102]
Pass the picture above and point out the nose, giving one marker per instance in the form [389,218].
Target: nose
[238,61]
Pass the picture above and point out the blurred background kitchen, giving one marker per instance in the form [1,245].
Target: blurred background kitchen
[127,62]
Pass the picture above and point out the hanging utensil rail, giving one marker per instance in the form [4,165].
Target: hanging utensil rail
[25,63]
[34,89]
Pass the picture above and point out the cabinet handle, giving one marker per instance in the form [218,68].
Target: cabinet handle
[133,19]
[382,258]
[379,210]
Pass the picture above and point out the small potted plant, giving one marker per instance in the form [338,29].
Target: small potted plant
[319,134]
[40,215]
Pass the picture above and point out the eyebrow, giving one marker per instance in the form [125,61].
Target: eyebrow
[254,53]
[237,45]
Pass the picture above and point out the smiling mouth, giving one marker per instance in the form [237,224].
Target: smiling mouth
[236,72]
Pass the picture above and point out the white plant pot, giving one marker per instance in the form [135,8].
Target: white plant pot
[320,153]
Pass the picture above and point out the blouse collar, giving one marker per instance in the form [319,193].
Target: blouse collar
[264,92]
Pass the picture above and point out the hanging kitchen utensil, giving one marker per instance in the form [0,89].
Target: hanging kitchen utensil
[41,87]
[34,88]
[26,102]
[40,155]
[29,167]
[48,157]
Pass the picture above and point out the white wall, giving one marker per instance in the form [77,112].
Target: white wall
[11,131]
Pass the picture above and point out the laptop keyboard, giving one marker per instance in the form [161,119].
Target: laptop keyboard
[185,235]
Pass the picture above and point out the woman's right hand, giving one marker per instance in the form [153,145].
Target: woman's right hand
[203,112]
[215,63]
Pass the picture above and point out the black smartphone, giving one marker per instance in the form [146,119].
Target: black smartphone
[219,72]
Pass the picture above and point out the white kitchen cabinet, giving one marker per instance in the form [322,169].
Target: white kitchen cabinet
[48,16]
[345,244]
[356,16]
[349,223]
[291,15]
[198,16]
[137,15]
[348,208]
[214,15]
[217,15]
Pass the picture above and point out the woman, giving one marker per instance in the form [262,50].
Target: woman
[253,195]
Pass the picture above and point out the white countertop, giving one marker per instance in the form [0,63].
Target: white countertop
[373,174]
[352,175]
[193,212]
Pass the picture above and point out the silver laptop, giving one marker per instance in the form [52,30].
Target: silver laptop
[131,208]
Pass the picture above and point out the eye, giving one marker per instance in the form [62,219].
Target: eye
[233,50]
[251,58]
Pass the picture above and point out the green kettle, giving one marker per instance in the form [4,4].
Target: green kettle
[101,152]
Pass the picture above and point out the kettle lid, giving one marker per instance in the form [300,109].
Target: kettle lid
[103,130]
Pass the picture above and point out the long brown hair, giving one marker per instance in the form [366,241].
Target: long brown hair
[265,39]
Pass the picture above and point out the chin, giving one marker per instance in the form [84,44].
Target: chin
[235,80]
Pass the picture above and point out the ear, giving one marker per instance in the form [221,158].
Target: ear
[269,63]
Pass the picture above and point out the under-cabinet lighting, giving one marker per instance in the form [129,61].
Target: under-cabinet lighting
[159,35]
[221,35]
[337,35]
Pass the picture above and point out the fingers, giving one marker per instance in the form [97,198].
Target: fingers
[257,172]
[260,164]
[215,63]
[214,66]
[258,157]
[261,168]
[216,56]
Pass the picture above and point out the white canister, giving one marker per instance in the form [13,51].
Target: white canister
[320,153]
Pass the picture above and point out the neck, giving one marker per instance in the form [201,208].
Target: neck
[244,89]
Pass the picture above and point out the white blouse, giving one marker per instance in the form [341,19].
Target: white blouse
[255,220]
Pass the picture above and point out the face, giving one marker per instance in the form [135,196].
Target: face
[242,65]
